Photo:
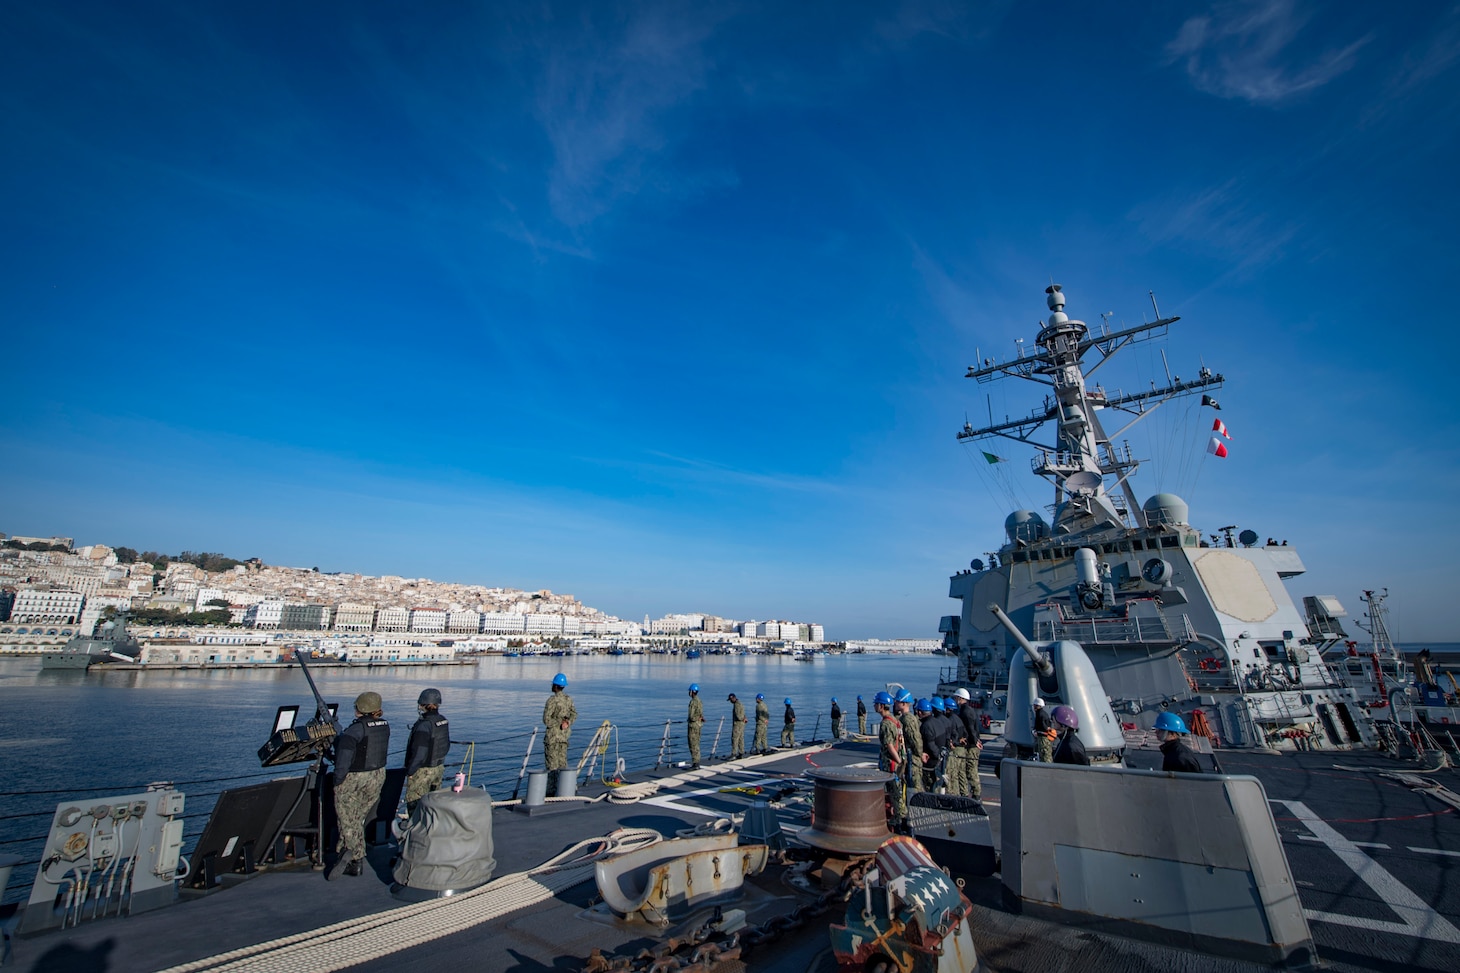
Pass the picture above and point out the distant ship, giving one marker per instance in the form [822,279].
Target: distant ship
[111,643]
[1172,619]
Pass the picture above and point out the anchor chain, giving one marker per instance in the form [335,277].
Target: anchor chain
[706,948]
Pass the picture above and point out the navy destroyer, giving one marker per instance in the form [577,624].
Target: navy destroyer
[1172,620]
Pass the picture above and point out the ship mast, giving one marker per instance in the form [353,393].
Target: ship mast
[1082,455]
[1375,611]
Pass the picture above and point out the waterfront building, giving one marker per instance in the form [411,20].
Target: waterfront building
[354,616]
[306,616]
[538,624]
[264,614]
[503,623]
[428,620]
[392,620]
[47,605]
[464,622]
[768,630]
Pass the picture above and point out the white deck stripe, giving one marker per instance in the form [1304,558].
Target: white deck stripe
[1357,844]
[1435,851]
[1416,917]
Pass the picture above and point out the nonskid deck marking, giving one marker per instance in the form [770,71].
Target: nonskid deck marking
[1379,845]
[1416,916]
[1435,851]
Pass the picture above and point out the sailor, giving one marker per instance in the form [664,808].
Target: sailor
[359,757]
[892,756]
[963,747]
[788,728]
[696,721]
[932,751]
[912,735]
[426,748]
[1176,755]
[1044,732]
[558,715]
[737,727]
[1070,750]
[762,724]
[861,717]
[836,720]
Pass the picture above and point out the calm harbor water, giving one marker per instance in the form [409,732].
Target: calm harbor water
[100,733]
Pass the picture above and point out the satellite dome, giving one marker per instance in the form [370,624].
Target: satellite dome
[1167,509]
[1025,525]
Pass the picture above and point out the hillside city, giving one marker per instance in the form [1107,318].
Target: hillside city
[51,591]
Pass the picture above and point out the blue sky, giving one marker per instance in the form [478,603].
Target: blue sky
[668,305]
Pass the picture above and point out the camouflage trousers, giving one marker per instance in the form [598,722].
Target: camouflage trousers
[788,735]
[836,729]
[355,801]
[737,740]
[555,754]
[897,800]
[1045,748]
[421,783]
[862,725]
[915,776]
[760,737]
[963,773]
[694,742]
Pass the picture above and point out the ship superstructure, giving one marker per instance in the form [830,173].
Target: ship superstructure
[1171,619]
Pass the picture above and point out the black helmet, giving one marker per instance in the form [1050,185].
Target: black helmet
[429,697]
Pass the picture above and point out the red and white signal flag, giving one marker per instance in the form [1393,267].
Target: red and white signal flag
[1220,427]
[1216,447]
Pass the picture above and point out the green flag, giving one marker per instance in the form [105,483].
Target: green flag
[994,459]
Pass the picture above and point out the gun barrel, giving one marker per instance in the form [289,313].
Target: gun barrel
[1040,659]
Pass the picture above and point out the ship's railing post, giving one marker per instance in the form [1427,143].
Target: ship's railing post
[663,748]
[715,747]
[525,758]
[815,731]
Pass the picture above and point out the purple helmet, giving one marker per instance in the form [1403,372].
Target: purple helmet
[1065,716]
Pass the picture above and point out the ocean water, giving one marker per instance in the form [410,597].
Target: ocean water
[99,733]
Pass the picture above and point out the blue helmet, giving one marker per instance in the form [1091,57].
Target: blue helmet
[950,702]
[859,698]
[560,680]
[833,699]
[788,700]
[760,695]
[694,687]
[903,696]
[882,699]
[924,706]
[936,703]
[1172,722]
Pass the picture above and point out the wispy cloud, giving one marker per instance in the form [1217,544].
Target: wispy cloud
[606,98]
[1246,50]
[1218,219]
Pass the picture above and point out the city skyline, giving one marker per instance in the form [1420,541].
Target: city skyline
[671,306]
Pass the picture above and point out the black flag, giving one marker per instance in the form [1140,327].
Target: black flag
[1208,400]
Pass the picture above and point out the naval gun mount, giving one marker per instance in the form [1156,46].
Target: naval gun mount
[1063,672]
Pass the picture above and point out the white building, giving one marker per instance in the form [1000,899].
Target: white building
[206,595]
[428,619]
[392,620]
[464,622]
[768,630]
[503,623]
[265,614]
[47,606]
[818,633]
[539,624]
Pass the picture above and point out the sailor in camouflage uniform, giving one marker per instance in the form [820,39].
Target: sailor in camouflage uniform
[696,721]
[762,723]
[788,728]
[558,715]
[861,717]
[359,757]
[912,735]
[892,756]
[426,748]
[737,727]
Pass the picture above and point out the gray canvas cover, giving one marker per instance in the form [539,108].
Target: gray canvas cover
[447,846]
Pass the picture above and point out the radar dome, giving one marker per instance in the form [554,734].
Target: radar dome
[1025,525]
[1167,509]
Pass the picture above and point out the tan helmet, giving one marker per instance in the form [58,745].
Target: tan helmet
[367,703]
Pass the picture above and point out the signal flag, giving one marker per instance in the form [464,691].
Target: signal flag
[1216,447]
